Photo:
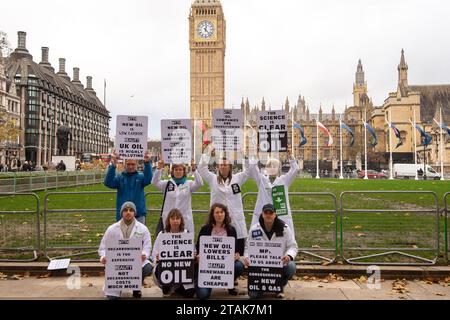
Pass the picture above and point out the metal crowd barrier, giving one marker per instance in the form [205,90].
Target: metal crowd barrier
[36,181]
[154,209]
[19,231]
[76,232]
[446,228]
[321,236]
[419,233]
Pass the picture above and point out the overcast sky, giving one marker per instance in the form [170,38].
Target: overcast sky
[275,49]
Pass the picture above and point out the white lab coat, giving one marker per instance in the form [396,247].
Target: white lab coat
[256,232]
[139,231]
[180,198]
[265,191]
[156,250]
[228,194]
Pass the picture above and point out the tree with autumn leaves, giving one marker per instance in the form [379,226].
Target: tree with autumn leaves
[9,131]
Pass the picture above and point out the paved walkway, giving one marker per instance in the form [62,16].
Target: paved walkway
[307,288]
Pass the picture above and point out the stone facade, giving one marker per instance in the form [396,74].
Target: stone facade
[9,103]
[398,108]
[207,42]
[50,100]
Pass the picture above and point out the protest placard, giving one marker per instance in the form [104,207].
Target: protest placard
[216,265]
[176,141]
[227,133]
[123,269]
[176,258]
[131,137]
[272,131]
[266,266]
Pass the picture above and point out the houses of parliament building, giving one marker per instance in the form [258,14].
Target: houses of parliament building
[207,41]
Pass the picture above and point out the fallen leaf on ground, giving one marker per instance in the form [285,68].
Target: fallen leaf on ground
[82,220]
[315,246]
[16,277]
[98,235]
[357,227]
[3,276]
[326,263]
[441,294]
[84,275]
[90,285]
[360,235]
[431,280]
[399,286]
[362,279]
[26,274]
[306,278]
[43,276]
[415,247]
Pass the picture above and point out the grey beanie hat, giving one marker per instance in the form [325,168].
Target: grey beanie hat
[128,205]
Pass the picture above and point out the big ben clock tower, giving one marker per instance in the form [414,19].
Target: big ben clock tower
[207,43]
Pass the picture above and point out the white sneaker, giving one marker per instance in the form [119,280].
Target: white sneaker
[280,295]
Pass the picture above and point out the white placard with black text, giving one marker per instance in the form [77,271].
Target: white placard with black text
[176,141]
[131,137]
[216,265]
[227,133]
[123,270]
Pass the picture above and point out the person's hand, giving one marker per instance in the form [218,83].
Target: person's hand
[144,257]
[147,157]
[193,166]
[246,262]
[161,164]
[114,158]
[286,260]
[237,256]
[103,260]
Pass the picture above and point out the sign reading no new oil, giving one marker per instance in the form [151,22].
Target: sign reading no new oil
[272,131]
[131,137]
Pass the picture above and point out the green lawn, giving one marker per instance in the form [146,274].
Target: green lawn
[315,231]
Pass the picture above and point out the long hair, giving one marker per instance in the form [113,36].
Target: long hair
[211,221]
[174,213]
[221,179]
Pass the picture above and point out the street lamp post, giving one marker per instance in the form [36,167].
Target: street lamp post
[51,116]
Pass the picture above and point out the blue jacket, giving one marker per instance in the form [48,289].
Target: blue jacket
[130,187]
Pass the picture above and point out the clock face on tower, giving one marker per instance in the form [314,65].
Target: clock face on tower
[205,29]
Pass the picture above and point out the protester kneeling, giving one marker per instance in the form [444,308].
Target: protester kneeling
[272,229]
[219,227]
[127,228]
[181,253]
